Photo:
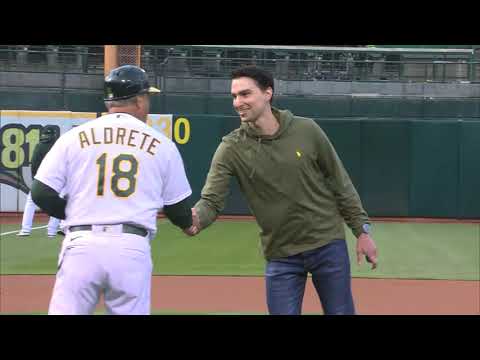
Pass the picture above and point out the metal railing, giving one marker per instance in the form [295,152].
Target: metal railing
[331,64]
[52,58]
[314,70]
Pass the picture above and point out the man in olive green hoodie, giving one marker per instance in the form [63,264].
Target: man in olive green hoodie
[299,192]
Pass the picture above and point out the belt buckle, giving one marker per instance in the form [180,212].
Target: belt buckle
[105,228]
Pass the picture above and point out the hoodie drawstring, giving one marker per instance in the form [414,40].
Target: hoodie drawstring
[259,142]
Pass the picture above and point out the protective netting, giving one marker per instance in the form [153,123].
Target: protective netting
[129,54]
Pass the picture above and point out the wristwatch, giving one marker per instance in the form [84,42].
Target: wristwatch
[366,228]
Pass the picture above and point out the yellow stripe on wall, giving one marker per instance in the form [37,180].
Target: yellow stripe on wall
[49,114]
[27,113]
[86,115]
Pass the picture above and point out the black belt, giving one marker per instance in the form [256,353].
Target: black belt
[126,228]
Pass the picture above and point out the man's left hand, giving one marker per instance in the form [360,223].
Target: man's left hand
[366,246]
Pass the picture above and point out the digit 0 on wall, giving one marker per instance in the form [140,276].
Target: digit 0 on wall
[181,130]
[177,130]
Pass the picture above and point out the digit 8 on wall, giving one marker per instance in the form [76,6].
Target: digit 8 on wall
[17,144]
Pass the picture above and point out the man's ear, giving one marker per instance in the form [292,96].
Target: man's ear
[138,101]
[269,91]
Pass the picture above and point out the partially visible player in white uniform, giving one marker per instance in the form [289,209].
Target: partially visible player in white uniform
[48,135]
[116,173]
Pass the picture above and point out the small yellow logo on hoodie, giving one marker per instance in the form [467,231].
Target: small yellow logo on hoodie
[299,154]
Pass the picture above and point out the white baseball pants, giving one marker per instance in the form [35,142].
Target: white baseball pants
[103,261]
[29,213]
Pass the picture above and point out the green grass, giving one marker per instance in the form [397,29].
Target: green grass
[34,254]
[419,251]
[225,247]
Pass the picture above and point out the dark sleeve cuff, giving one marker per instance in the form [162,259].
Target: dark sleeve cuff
[180,214]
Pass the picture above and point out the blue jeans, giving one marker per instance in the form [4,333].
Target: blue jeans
[330,269]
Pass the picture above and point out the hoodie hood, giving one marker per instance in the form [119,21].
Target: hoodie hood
[284,118]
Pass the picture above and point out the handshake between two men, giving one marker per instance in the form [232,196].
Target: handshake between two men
[194,229]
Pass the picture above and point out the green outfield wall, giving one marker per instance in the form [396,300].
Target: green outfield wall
[406,157]
[335,106]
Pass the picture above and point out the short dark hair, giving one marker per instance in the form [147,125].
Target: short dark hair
[262,77]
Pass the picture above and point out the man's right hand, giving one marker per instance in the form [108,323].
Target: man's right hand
[195,228]
[196,219]
[191,231]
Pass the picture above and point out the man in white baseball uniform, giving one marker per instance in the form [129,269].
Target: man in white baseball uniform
[116,173]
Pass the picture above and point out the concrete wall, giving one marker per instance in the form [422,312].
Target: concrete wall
[332,88]
[208,85]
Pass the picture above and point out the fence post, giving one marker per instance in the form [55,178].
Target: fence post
[81,58]
[22,55]
[52,55]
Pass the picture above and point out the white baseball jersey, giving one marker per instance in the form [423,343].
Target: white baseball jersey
[115,169]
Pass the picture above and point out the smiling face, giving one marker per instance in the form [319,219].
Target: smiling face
[249,100]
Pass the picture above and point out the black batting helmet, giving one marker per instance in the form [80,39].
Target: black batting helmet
[125,82]
[49,133]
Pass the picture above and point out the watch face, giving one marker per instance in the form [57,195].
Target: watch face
[366,228]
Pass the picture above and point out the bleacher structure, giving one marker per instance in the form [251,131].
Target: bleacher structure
[319,62]
[305,63]
[52,58]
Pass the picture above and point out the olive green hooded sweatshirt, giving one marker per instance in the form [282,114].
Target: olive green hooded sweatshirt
[294,182]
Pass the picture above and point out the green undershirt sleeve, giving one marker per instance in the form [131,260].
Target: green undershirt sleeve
[180,214]
[48,200]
